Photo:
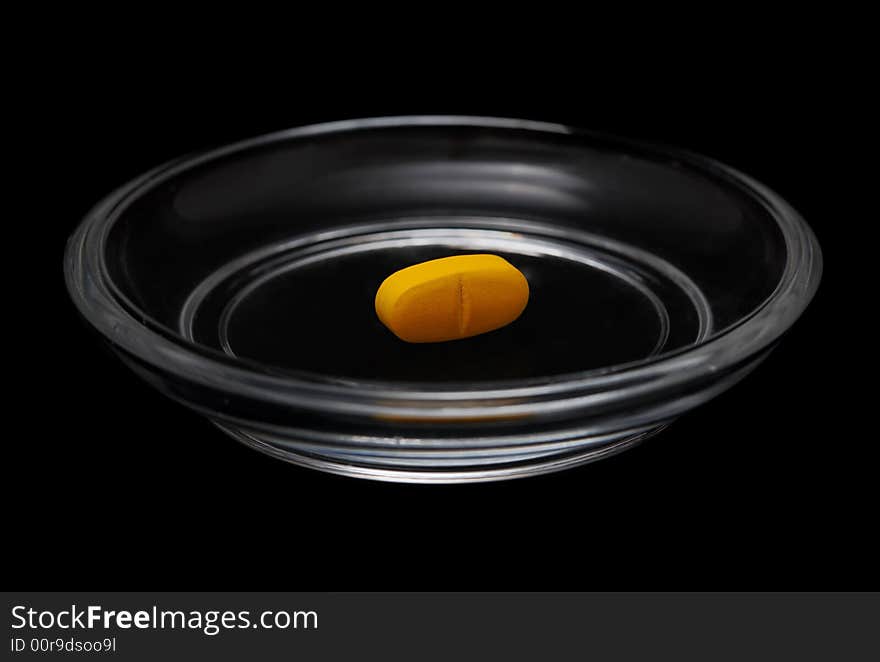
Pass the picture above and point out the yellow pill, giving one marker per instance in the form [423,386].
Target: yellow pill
[451,298]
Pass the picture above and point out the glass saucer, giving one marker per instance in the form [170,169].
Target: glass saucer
[240,282]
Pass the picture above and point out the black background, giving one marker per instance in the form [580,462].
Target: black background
[769,486]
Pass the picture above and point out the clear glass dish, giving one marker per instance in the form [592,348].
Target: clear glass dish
[240,282]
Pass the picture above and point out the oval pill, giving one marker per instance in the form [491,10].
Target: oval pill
[451,298]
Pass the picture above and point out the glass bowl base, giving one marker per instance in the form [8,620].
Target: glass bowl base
[395,468]
[306,303]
